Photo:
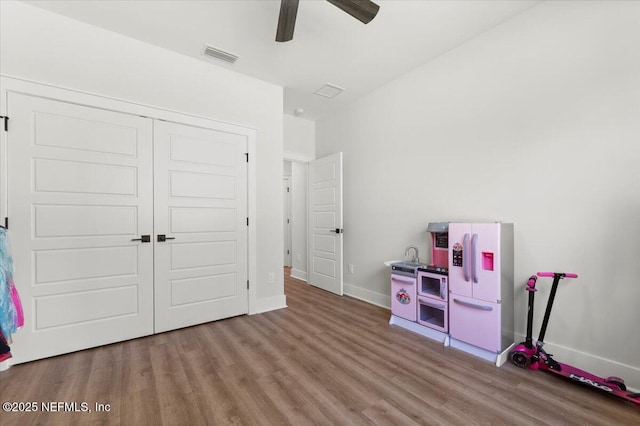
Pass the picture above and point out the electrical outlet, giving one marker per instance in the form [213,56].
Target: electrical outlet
[272,278]
[351,268]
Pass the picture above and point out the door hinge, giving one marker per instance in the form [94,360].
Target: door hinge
[288,189]
[247,155]
[288,252]
[247,221]
[247,284]
[288,221]
[6,122]
[6,223]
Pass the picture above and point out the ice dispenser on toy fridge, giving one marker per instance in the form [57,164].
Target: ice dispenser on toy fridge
[439,247]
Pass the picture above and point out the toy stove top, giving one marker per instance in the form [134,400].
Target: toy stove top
[442,270]
[411,269]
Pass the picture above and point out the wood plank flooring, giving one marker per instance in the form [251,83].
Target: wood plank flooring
[324,360]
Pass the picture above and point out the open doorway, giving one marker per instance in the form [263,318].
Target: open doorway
[295,217]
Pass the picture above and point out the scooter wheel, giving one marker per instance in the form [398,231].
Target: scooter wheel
[520,359]
[616,381]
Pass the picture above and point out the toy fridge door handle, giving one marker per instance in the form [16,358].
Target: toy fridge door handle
[474,244]
[465,259]
[472,305]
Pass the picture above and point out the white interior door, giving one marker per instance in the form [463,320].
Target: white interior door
[79,192]
[201,208]
[325,223]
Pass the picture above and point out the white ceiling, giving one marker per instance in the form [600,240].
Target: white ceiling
[328,45]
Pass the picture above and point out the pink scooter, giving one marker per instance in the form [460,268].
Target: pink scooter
[532,356]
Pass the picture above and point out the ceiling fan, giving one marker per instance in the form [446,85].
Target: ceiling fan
[363,10]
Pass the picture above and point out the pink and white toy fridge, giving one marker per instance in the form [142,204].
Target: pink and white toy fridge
[481,285]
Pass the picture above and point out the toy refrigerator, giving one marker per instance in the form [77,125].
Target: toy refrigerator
[481,286]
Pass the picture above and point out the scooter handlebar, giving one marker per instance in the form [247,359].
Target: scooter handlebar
[562,274]
[531,283]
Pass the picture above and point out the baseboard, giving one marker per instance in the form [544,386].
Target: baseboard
[269,304]
[599,366]
[496,358]
[4,365]
[298,274]
[378,299]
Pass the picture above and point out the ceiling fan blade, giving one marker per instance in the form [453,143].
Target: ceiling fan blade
[287,20]
[363,10]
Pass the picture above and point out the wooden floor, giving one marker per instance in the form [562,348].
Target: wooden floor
[324,360]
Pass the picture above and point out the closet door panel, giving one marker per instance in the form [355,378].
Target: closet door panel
[200,198]
[80,188]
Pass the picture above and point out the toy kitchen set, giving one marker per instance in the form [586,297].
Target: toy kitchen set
[464,296]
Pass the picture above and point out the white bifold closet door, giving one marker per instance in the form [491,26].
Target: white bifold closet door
[201,208]
[83,191]
[80,188]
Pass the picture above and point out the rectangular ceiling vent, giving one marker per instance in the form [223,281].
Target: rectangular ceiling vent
[329,90]
[219,54]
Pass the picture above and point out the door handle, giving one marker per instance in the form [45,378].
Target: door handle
[474,271]
[162,238]
[143,238]
[409,281]
[431,304]
[337,230]
[465,257]
[473,305]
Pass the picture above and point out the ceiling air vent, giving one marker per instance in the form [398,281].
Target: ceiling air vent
[219,54]
[329,90]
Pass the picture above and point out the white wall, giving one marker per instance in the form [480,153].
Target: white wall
[41,46]
[299,138]
[535,122]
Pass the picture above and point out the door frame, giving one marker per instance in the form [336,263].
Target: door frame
[33,88]
[286,220]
